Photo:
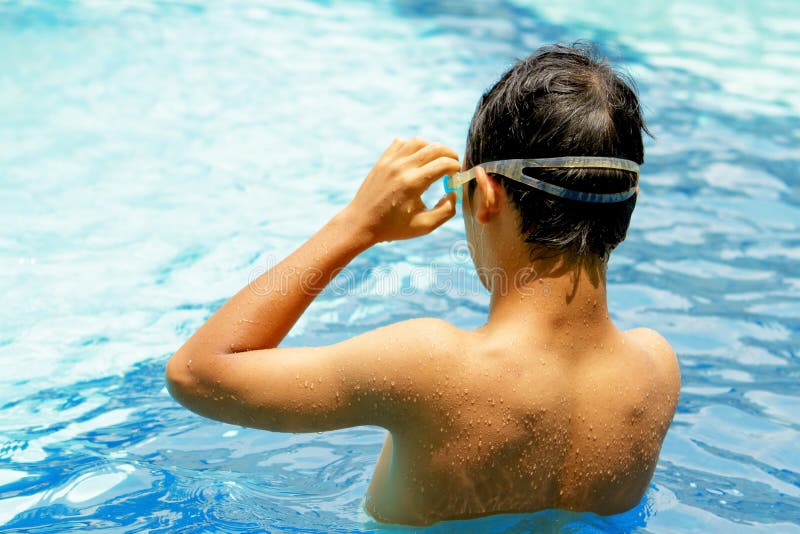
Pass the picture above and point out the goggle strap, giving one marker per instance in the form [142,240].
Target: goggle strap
[514,168]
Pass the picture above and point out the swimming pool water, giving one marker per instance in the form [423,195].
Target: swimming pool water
[154,155]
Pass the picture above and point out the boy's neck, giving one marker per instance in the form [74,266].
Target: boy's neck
[555,298]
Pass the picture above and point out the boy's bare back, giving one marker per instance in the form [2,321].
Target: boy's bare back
[511,424]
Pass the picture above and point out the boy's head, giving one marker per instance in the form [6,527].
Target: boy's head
[562,101]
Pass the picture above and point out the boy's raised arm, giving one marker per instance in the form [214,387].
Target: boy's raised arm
[223,362]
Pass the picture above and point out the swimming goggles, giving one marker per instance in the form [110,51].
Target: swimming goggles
[514,170]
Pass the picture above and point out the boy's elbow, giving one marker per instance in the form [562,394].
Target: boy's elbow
[181,382]
[190,382]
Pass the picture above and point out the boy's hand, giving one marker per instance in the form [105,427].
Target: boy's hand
[388,205]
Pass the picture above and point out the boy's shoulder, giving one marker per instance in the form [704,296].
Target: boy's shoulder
[650,338]
[428,336]
[421,332]
[661,354]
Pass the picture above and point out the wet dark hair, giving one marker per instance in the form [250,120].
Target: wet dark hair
[563,101]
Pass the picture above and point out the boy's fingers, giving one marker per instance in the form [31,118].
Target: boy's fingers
[429,220]
[433,170]
[392,148]
[431,152]
[411,146]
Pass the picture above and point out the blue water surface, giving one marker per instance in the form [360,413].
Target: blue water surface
[155,155]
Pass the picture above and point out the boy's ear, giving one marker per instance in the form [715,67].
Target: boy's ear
[490,198]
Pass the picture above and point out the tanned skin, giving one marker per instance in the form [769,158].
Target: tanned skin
[547,405]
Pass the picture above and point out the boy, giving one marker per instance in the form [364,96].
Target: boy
[548,405]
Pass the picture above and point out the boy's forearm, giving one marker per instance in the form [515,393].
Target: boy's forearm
[261,314]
